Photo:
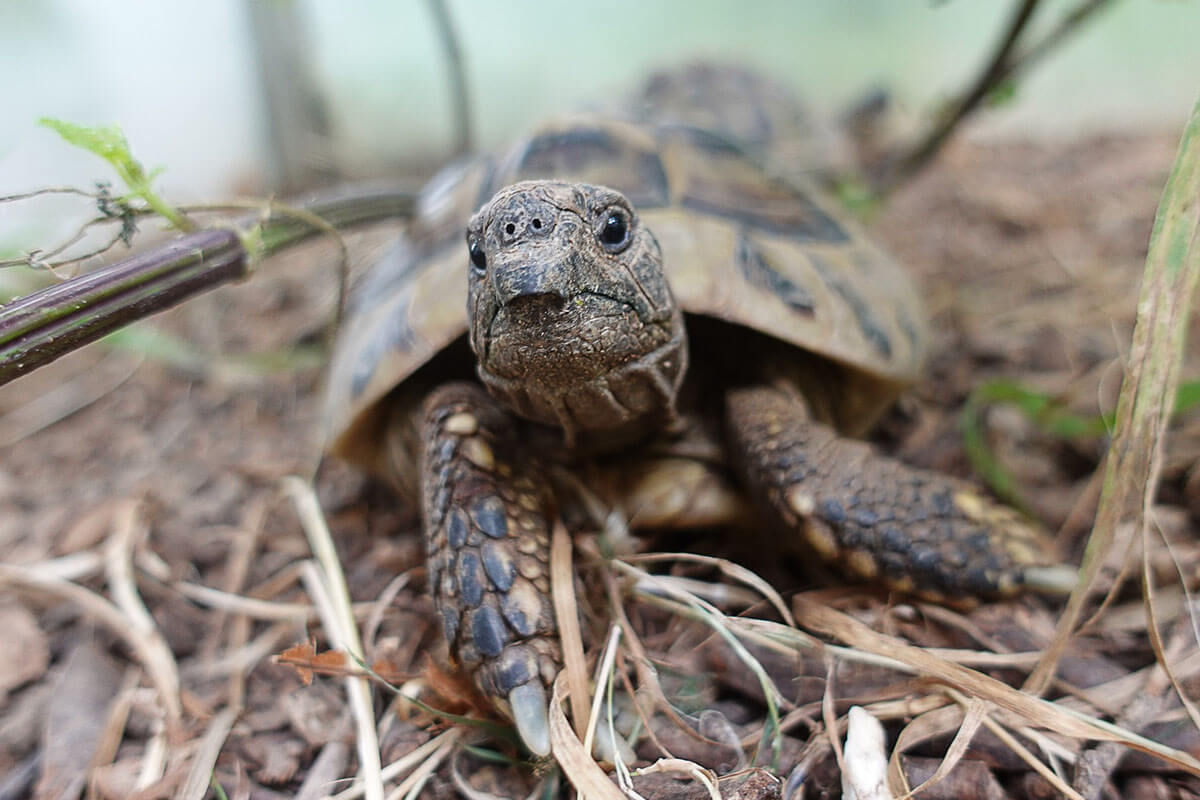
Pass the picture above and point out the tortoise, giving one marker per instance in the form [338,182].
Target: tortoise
[646,305]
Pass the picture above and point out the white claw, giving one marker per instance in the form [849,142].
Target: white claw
[531,713]
[1057,579]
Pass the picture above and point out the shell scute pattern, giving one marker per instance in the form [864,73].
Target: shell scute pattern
[869,324]
[738,245]
[759,272]
[622,157]
[718,177]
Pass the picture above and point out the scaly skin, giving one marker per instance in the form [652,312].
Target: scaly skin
[487,513]
[876,518]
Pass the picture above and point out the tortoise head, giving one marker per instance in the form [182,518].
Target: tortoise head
[571,317]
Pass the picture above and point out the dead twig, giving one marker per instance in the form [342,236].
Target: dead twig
[460,96]
[327,585]
[1005,63]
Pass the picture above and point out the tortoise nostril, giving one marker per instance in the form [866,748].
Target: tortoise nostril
[537,224]
[536,303]
[510,229]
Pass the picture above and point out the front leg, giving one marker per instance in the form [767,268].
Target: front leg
[875,517]
[487,524]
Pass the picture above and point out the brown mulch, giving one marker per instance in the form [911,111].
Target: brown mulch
[1030,255]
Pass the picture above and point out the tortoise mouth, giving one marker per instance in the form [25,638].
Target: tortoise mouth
[559,341]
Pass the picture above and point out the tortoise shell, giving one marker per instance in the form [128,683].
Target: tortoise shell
[739,244]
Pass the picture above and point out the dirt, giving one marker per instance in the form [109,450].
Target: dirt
[1029,255]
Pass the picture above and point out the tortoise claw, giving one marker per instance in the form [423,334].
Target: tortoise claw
[1054,579]
[531,713]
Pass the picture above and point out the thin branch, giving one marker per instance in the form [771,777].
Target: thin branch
[41,327]
[48,190]
[1006,62]
[1067,25]
[920,155]
[460,96]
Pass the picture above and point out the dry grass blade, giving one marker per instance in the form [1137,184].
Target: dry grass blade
[705,777]
[1029,758]
[933,724]
[1168,658]
[199,775]
[735,571]
[975,684]
[119,567]
[448,738]
[245,658]
[1134,458]
[381,605]
[604,675]
[577,764]
[73,567]
[976,713]
[261,610]
[721,595]
[717,621]
[829,712]
[729,631]
[328,766]
[566,611]
[412,785]
[648,682]
[328,586]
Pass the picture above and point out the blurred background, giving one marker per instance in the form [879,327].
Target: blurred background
[249,96]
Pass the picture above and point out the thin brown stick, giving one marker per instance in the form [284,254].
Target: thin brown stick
[459,93]
[923,153]
[566,611]
[1006,62]
[41,327]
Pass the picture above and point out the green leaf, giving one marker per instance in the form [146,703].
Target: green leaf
[105,141]
[1047,413]
[109,143]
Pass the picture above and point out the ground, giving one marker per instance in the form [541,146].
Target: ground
[140,482]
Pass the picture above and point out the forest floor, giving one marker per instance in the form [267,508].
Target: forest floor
[138,478]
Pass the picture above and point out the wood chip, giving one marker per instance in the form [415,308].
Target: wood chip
[75,721]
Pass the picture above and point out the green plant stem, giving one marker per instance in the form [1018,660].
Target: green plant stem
[41,327]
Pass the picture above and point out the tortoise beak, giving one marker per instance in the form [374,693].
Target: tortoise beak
[513,282]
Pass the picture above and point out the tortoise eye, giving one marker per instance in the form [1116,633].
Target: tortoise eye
[614,230]
[478,257]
